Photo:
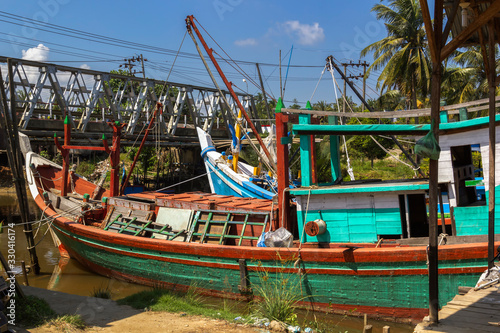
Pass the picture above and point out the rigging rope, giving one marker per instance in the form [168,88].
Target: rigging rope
[371,136]
[349,167]
[317,84]
[270,168]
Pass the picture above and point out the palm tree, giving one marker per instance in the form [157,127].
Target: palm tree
[468,82]
[403,54]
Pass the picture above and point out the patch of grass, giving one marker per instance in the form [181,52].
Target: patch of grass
[32,311]
[102,292]
[279,292]
[165,300]
[68,323]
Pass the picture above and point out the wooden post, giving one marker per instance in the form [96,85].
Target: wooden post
[334,151]
[312,138]
[65,155]
[25,275]
[367,329]
[492,144]
[305,154]
[114,158]
[386,329]
[282,157]
[436,31]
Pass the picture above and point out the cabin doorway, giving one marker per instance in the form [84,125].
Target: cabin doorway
[414,215]
[467,170]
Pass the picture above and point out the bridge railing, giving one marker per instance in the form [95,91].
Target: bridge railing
[51,91]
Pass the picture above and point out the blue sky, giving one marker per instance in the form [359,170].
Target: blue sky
[248,30]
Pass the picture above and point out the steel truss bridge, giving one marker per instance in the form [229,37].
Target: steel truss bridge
[45,93]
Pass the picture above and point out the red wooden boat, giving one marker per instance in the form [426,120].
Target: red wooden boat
[210,241]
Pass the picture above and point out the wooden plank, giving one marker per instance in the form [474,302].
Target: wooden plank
[482,104]
[474,304]
[472,309]
[466,323]
[461,314]
[428,28]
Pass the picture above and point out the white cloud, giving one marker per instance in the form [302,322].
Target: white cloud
[246,42]
[39,53]
[84,66]
[304,34]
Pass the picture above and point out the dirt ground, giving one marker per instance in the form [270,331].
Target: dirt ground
[103,315]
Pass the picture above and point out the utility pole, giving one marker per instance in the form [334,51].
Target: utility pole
[345,89]
[359,63]
[281,86]
[264,96]
[364,83]
[130,64]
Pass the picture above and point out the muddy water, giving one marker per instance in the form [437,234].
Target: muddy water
[67,275]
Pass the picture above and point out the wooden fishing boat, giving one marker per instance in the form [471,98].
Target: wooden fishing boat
[225,180]
[358,247]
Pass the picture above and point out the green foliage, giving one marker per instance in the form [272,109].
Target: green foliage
[102,292]
[260,105]
[385,169]
[365,145]
[85,168]
[58,158]
[278,293]
[164,300]
[33,311]
[468,80]
[45,154]
[403,54]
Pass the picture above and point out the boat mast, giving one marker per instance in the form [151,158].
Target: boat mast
[190,25]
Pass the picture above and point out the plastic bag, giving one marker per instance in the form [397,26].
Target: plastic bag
[260,242]
[278,238]
[428,146]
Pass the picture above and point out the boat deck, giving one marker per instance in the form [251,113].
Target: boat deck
[476,311]
[200,200]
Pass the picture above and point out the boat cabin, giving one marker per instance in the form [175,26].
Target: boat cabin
[367,211]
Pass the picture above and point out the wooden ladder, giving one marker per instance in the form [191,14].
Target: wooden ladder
[216,224]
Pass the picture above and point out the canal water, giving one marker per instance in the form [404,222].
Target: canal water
[67,275]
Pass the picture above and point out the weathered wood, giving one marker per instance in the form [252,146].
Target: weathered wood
[25,274]
[450,21]
[386,329]
[429,29]
[367,329]
[492,136]
[434,165]
[480,21]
